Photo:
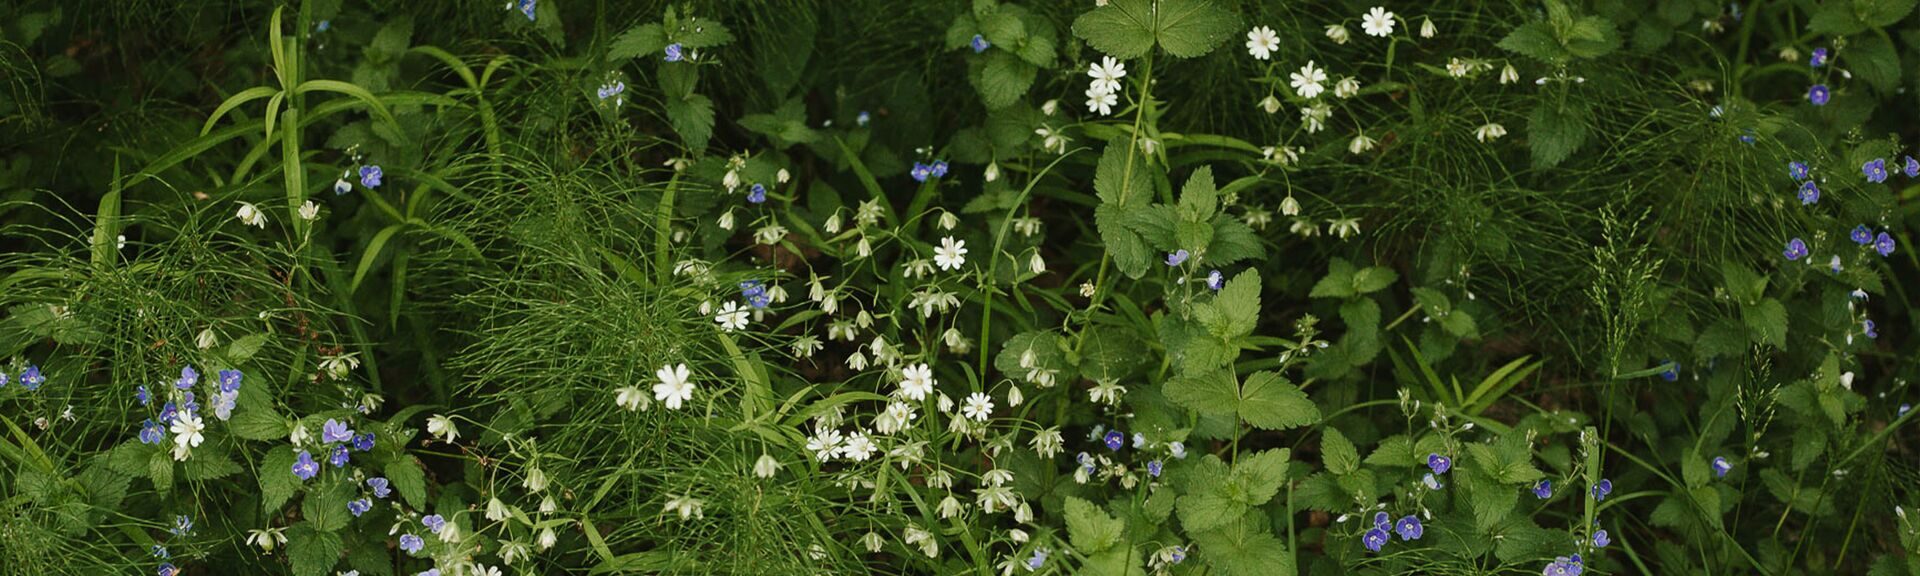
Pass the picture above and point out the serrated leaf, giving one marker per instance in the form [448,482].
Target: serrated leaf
[1555,132]
[208,465]
[1233,241]
[1591,37]
[1115,182]
[1534,40]
[1338,452]
[1208,393]
[1122,28]
[1768,321]
[1396,450]
[1338,283]
[1129,252]
[692,119]
[1239,305]
[1090,528]
[1192,28]
[258,423]
[160,470]
[1835,18]
[277,482]
[637,41]
[312,552]
[1872,58]
[1880,13]
[1002,79]
[407,477]
[244,347]
[326,505]
[1269,402]
[697,32]
[1243,547]
[1199,198]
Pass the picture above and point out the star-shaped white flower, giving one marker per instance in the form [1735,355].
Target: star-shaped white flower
[186,434]
[1307,81]
[1101,101]
[731,317]
[1489,132]
[950,255]
[442,426]
[978,407]
[917,381]
[858,447]
[1262,42]
[824,444]
[631,398]
[1377,22]
[673,388]
[1107,73]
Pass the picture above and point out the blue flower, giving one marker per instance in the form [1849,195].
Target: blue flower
[1818,59]
[339,456]
[358,507]
[411,543]
[188,377]
[182,525]
[434,523]
[1431,482]
[1086,462]
[1564,566]
[1439,464]
[1177,449]
[1798,170]
[1178,555]
[31,378]
[341,186]
[230,380]
[1600,539]
[1747,138]
[980,44]
[675,53]
[1382,521]
[1375,539]
[380,485]
[920,172]
[304,467]
[1543,489]
[139,393]
[151,432]
[526,7]
[1602,489]
[1721,467]
[335,431]
[757,194]
[938,168]
[611,89]
[370,176]
[1819,94]
[1216,280]
[1038,559]
[1809,193]
[188,405]
[1875,170]
[168,413]
[1673,371]
[1153,468]
[1795,249]
[167,569]
[1882,244]
[363,442]
[159,551]
[755,292]
[1408,528]
[1861,235]
[1866,328]
[863,119]
[1177,257]
[1115,440]
[1913,168]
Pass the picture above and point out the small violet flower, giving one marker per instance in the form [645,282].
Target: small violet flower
[1721,467]
[188,377]
[411,543]
[230,381]
[1431,483]
[938,168]
[1798,170]
[370,176]
[1673,371]
[1861,235]
[338,457]
[1564,566]
[1809,193]
[1796,249]
[526,7]
[1115,440]
[139,393]
[1153,468]
[434,523]
[358,507]
[980,44]
[675,53]
[1439,464]
[1912,168]
[1600,539]
[31,378]
[1177,257]
[1818,59]
[304,467]
[363,442]
[1819,94]
[757,194]
[335,431]
[1216,280]
[1408,528]
[1375,539]
[381,487]
[1602,489]
[1882,244]
[1543,489]
[151,432]
[1875,170]
[1866,328]
[920,172]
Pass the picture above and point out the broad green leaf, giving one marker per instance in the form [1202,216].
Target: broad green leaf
[1192,28]
[1198,198]
[1239,305]
[1243,547]
[312,552]
[1835,18]
[1338,283]
[1118,184]
[692,119]
[258,423]
[1338,452]
[277,482]
[1768,321]
[1122,28]
[1396,450]
[208,465]
[1002,79]
[160,470]
[1209,393]
[1555,131]
[407,477]
[1871,57]
[1130,254]
[244,347]
[1592,37]
[1089,527]
[642,40]
[1879,13]
[326,505]
[1535,40]
[1269,402]
[1745,285]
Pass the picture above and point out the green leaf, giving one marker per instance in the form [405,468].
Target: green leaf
[1396,450]
[312,552]
[697,32]
[1192,28]
[692,118]
[1198,198]
[160,470]
[1130,253]
[1592,37]
[258,423]
[1209,393]
[1745,285]
[1002,79]
[1262,475]
[1879,13]
[277,482]
[1233,241]
[1238,304]
[1338,283]
[1115,183]
[1768,321]
[1555,132]
[638,41]
[244,347]
[1089,527]
[326,505]
[1122,28]
[1872,58]
[1338,452]
[1269,402]
[1535,40]
[1127,29]
[1835,18]
[407,477]
[1243,547]
[208,465]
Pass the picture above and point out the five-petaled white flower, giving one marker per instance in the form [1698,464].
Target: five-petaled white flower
[251,215]
[1100,100]
[1490,131]
[1107,74]
[766,466]
[631,398]
[1262,42]
[1360,144]
[951,254]
[1377,22]
[442,426]
[1307,81]
[858,447]
[917,382]
[977,407]
[186,434]
[673,388]
[309,211]
[731,317]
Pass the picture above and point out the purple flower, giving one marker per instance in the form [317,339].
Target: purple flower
[1866,328]
[358,507]
[757,194]
[1375,539]
[338,457]
[1602,489]
[1798,170]
[1115,440]
[1038,559]
[304,466]
[1153,468]
[167,569]
[1795,249]
[223,404]
[1747,138]
[1177,257]
[1818,59]
[938,168]
[1875,170]
[526,7]
[139,393]
[1564,566]
[920,172]
[188,405]
[1216,280]
[380,485]
[182,525]
[1382,521]
[1600,539]
[363,442]
[863,118]
[411,543]
[335,431]
[1913,168]
[230,380]
[1721,467]
[168,413]
[1861,235]
[1408,528]
[980,44]
[1086,462]
[1543,489]
[1809,193]
[1178,555]
[188,377]
[434,523]
[1673,371]
[1431,482]
[1882,244]
[370,176]
[675,53]
[611,90]
[151,432]
[31,378]
[1819,94]
[1439,464]
[159,551]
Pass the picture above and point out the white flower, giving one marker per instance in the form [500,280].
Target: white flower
[895,418]
[1489,132]
[496,510]
[873,541]
[1036,264]
[1337,33]
[535,481]
[267,538]
[442,426]
[917,381]
[298,437]
[1052,140]
[548,538]
[251,215]
[950,507]
[309,211]
[1508,75]
[1360,144]
[858,447]
[726,220]
[1262,42]
[1269,104]
[1289,206]
[511,551]
[766,466]
[1377,22]
[673,388]
[1427,30]
[916,536]
[205,340]
[1315,116]
[186,433]
[978,407]
[992,174]
[1107,391]
[1048,443]
[1107,74]
[1307,81]
[824,443]
[770,234]
[686,506]
[631,398]
[951,254]
[1344,227]
[1050,107]
[1347,87]
[731,317]
[1457,68]
[1101,101]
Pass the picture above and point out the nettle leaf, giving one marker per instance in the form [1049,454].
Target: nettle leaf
[277,482]
[1373,279]
[1130,253]
[326,505]
[1122,28]
[1555,132]
[1245,547]
[1233,241]
[1872,58]
[1835,18]
[257,422]
[1214,495]
[1269,402]
[313,552]
[697,32]
[1002,78]
[1767,319]
[407,477]
[1880,13]
[692,118]
[1535,40]
[1396,450]
[1117,182]
[1338,452]
[1003,27]
[1090,528]
[1192,28]
[1199,198]
[1238,304]
[1742,283]
[637,41]
[787,125]
[244,347]
[1338,283]
[1127,29]
[1591,37]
